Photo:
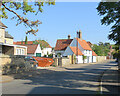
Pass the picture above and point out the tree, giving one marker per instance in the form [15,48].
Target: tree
[26,40]
[24,7]
[84,57]
[110,11]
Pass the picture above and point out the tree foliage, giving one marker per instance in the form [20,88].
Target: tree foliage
[26,40]
[110,13]
[101,49]
[24,7]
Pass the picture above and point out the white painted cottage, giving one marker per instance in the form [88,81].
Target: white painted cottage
[77,46]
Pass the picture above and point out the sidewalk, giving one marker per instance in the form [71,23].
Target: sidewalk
[5,79]
[111,81]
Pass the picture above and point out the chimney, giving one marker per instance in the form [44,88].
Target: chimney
[79,34]
[68,36]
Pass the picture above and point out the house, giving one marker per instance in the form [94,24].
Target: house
[77,46]
[33,50]
[43,47]
[6,43]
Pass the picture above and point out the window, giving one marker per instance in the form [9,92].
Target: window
[5,41]
[22,51]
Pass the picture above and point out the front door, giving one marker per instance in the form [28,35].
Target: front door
[38,54]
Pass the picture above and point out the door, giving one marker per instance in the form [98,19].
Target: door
[38,54]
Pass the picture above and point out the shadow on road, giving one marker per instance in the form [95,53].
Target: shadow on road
[70,81]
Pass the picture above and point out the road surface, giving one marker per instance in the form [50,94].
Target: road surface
[74,79]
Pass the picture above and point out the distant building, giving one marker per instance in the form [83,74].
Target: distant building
[42,49]
[6,43]
[77,46]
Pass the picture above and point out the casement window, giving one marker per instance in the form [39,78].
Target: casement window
[22,51]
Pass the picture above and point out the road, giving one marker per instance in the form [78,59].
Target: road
[74,79]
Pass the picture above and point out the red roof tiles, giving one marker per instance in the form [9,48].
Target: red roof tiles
[62,44]
[84,44]
[74,49]
[31,48]
[93,53]
[20,42]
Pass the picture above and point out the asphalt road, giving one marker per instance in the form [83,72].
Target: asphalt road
[74,79]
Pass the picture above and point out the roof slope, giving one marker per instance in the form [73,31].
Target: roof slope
[93,53]
[7,35]
[2,25]
[74,49]
[84,44]
[62,44]
[31,48]
[22,42]
[43,43]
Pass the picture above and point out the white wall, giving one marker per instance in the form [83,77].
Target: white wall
[62,52]
[38,50]
[45,50]
[68,51]
[94,59]
[79,59]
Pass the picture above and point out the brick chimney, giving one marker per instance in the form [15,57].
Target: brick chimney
[79,34]
[68,36]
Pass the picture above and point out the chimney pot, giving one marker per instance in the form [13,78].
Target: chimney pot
[68,36]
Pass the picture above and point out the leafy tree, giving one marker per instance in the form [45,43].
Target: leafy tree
[84,57]
[110,12]
[26,40]
[101,49]
[24,7]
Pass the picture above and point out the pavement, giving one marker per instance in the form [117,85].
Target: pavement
[73,79]
[6,79]
[110,81]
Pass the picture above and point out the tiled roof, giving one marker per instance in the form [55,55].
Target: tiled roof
[31,48]
[44,43]
[93,53]
[2,25]
[89,43]
[62,44]
[7,35]
[20,42]
[41,42]
[84,44]
[76,50]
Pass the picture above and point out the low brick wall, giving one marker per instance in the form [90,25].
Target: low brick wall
[13,64]
[100,58]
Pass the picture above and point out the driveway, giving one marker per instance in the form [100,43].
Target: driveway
[73,79]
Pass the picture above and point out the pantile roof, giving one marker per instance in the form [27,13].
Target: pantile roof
[93,53]
[62,44]
[76,50]
[84,44]
[43,43]
[31,48]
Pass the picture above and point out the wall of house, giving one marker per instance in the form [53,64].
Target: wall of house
[46,50]
[68,51]
[8,41]
[80,59]
[20,50]
[62,52]
[2,35]
[8,50]
[94,59]
[38,50]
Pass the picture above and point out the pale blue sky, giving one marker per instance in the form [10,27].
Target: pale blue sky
[62,19]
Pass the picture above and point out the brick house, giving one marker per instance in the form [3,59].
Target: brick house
[6,43]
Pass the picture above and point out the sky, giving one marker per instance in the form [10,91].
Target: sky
[61,20]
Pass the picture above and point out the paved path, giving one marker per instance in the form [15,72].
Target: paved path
[111,81]
[74,79]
